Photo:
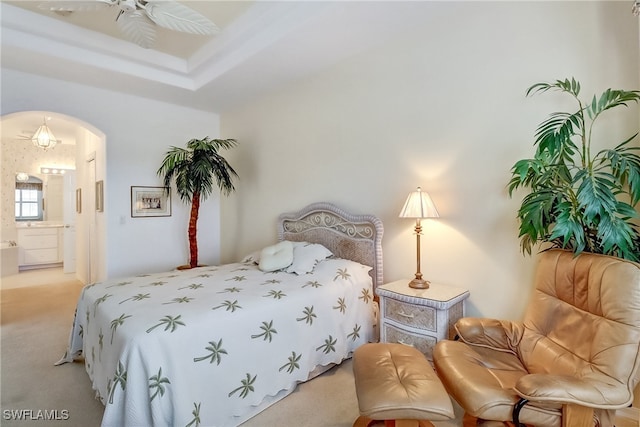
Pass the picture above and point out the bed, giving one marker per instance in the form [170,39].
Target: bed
[214,346]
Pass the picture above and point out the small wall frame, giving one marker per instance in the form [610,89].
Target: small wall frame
[79,200]
[100,196]
[150,201]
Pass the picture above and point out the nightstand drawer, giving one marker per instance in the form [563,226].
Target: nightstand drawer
[416,316]
[423,343]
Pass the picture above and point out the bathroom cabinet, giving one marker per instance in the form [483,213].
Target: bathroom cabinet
[39,246]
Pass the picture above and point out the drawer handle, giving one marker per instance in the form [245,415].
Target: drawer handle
[403,314]
[405,343]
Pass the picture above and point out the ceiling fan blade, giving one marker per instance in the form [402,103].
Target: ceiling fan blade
[80,5]
[137,28]
[178,17]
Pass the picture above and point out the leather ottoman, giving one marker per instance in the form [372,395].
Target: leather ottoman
[395,382]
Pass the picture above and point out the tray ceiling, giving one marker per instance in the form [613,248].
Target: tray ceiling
[262,45]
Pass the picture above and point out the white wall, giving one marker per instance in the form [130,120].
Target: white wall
[137,134]
[442,108]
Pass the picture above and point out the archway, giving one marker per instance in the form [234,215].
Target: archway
[79,144]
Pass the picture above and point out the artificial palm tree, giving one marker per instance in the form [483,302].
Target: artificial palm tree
[580,200]
[194,169]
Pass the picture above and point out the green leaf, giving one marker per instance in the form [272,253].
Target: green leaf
[611,99]
[535,215]
[626,211]
[595,197]
[617,237]
[569,229]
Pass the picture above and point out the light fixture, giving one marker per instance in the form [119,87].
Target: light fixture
[22,176]
[636,8]
[43,138]
[54,170]
[419,206]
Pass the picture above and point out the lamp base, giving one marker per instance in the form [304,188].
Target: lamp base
[419,284]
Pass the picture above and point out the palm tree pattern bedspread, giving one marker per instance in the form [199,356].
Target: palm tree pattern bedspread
[205,347]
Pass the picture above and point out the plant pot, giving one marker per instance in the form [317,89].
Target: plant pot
[188,267]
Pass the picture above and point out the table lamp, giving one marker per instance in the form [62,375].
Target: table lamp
[419,205]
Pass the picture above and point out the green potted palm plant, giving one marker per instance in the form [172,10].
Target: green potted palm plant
[194,170]
[580,200]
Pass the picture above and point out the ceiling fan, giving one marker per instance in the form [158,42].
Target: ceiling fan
[137,18]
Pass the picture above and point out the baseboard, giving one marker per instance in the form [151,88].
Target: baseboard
[39,266]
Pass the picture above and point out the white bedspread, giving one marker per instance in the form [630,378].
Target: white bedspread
[205,347]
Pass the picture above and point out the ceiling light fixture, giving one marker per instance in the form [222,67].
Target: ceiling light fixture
[43,138]
[54,170]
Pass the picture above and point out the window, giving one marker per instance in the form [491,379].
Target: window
[29,200]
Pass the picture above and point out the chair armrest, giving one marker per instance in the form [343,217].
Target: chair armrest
[501,335]
[598,391]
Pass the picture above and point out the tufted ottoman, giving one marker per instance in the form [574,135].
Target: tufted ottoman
[396,382]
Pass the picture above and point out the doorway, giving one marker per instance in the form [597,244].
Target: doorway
[19,155]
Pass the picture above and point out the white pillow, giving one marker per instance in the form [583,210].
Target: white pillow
[276,257]
[306,256]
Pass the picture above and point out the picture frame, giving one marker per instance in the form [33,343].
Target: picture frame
[79,200]
[100,196]
[150,201]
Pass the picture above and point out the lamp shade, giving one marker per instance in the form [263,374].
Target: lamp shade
[419,205]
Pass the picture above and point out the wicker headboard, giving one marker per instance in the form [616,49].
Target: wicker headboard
[354,237]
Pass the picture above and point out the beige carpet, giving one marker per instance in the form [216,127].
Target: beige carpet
[35,327]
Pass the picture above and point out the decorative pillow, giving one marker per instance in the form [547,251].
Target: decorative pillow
[305,257]
[276,257]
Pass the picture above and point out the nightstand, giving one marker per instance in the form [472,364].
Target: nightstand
[419,317]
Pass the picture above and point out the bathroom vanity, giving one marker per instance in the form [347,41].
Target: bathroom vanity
[40,245]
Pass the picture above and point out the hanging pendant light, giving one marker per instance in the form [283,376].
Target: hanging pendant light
[44,138]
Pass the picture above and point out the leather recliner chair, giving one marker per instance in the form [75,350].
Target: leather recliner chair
[572,361]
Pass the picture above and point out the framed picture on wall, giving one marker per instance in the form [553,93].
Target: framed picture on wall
[79,200]
[100,196]
[150,201]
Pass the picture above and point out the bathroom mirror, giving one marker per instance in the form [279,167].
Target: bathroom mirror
[39,198]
